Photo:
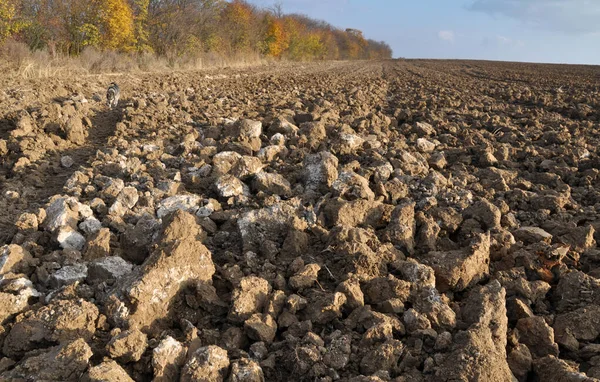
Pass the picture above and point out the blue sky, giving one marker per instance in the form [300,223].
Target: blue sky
[560,31]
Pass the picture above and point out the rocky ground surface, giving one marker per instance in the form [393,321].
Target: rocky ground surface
[380,221]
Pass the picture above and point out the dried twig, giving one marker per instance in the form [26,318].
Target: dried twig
[328,271]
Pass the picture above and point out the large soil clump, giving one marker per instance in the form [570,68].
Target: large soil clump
[376,221]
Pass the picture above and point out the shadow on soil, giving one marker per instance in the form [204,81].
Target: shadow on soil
[38,182]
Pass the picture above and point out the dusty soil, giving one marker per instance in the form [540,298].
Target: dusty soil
[370,221]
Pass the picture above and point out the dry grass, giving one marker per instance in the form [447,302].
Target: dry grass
[17,60]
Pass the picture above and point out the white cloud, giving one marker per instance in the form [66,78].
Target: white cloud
[446,36]
[567,16]
[502,41]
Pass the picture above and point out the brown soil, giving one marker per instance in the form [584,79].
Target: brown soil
[353,221]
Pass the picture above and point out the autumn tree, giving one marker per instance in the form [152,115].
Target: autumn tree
[353,44]
[71,25]
[275,41]
[236,24]
[140,25]
[174,28]
[303,44]
[332,50]
[209,24]
[175,25]
[9,20]
[377,50]
[116,20]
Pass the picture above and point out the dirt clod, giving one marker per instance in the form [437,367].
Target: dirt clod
[405,220]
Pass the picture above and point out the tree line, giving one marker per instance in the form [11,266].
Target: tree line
[177,27]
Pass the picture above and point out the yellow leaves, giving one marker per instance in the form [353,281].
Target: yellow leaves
[9,24]
[303,43]
[193,44]
[239,12]
[177,27]
[90,35]
[213,43]
[293,27]
[276,40]
[117,19]
[140,22]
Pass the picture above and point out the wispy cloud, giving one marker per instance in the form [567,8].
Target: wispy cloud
[446,36]
[567,16]
[502,41]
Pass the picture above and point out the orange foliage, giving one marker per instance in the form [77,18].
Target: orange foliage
[276,39]
[178,27]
